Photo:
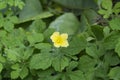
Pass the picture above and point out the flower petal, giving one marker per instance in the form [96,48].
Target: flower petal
[56,45]
[64,36]
[65,44]
[54,36]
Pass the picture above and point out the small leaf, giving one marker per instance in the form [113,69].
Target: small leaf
[72,65]
[86,63]
[105,13]
[47,33]
[38,26]
[27,53]
[19,3]
[112,59]
[107,4]
[115,24]
[1,20]
[43,46]
[41,61]
[114,73]
[90,15]
[1,67]
[11,54]
[59,63]
[76,75]
[13,19]
[117,48]
[98,31]
[90,39]
[35,37]
[23,72]
[15,66]
[107,8]
[116,8]
[106,31]
[111,40]
[2,59]
[14,74]
[92,51]
[8,26]
[3,5]
[75,46]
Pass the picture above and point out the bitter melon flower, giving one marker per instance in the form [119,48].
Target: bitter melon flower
[59,40]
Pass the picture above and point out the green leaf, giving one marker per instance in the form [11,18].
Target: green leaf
[105,13]
[31,9]
[90,39]
[43,46]
[76,75]
[1,67]
[2,59]
[8,26]
[3,33]
[98,31]
[115,24]
[67,23]
[65,77]
[112,58]
[84,23]
[14,38]
[107,4]
[116,8]
[12,54]
[41,61]
[106,31]
[1,20]
[43,73]
[101,71]
[59,63]
[47,33]
[76,45]
[90,15]
[39,16]
[2,5]
[111,40]
[46,74]
[114,73]
[86,63]
[19,3]
[14,74]
[27,53]
[72,65]
[11,2]
[117,48]
[107,8]
[15,66]
[89,75]
[92,51]
[24,72]
[78,4]
[38,26]
[35,37]
[13,19]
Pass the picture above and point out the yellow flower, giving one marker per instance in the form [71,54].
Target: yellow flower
[59,40]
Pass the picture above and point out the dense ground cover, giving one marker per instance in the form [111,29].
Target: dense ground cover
[59,40]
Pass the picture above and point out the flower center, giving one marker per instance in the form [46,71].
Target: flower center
[59,40]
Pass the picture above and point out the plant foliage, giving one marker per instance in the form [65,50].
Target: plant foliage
[28,53]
